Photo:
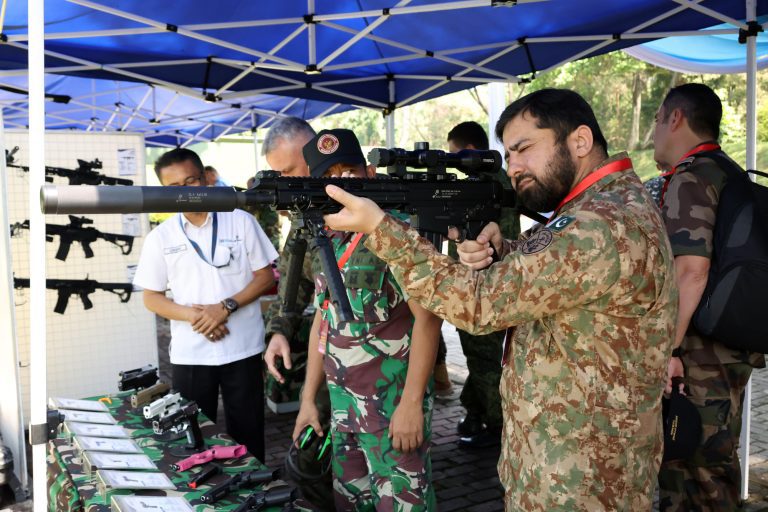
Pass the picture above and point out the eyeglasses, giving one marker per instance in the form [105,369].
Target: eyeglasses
[190,181]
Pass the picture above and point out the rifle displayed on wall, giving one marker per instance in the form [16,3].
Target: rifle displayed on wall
[16,227]
[435,199]
[81,287]
[83,175]
[76,231]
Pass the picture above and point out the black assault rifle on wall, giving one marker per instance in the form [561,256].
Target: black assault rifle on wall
[81,287]
[76,231]
[83,175]
[434,198]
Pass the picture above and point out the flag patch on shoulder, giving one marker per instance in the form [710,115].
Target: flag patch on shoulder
[561,223]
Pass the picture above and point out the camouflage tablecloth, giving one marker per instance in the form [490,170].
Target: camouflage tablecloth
[71,489]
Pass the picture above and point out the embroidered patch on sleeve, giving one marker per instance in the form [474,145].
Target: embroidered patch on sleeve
[561,223]
[537,241]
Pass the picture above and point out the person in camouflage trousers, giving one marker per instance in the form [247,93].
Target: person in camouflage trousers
[282,148]
[589,299]
[378,366]
[714,376]
[480,396]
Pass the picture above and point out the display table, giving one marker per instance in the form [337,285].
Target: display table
[71,489]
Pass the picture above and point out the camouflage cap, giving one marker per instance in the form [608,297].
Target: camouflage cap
[331,147]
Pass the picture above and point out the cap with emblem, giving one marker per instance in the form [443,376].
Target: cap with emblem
[331,147]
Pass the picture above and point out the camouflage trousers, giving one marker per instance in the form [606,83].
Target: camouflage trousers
[371,475]
[480,395]
[319,492]
[710,479]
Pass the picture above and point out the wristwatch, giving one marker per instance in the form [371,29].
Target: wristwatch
[230,305]
[677,352]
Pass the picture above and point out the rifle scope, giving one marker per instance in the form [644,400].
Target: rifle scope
[468,161]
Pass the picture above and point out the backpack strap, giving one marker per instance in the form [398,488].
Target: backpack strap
[722,160]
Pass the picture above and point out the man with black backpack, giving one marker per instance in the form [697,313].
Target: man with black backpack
[713,375]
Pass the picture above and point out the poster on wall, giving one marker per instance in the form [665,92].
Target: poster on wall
[126,162]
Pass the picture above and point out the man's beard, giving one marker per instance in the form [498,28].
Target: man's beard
[544,194]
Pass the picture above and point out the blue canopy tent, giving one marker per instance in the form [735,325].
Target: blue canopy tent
[165,117]
[368,53]
[717,53]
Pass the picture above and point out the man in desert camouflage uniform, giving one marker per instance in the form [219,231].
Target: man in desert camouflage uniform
[590,301]
[480,397]
[687,123]
[378,366]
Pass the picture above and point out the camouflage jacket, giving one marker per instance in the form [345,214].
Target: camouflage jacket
[288,324]
[366,361]
[593,301]
[689,211]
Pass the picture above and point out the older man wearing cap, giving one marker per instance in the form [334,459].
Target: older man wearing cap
[378,367]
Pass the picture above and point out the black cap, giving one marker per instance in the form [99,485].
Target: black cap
[682,426]
[331,147]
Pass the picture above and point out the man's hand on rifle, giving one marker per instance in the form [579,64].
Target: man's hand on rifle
[476,254]
[278,347]
[360,215]
[210,321]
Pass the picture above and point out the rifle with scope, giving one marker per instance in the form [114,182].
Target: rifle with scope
[435,198]
[83,175]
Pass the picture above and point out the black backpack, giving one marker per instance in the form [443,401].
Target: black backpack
[732,308]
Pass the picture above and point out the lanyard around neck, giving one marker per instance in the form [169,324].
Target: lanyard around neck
[349,250]
[591,179]
[701,148]
[196,247]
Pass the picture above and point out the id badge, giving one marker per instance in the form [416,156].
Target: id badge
[323,334]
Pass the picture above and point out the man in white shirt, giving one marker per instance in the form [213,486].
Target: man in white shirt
[216,265]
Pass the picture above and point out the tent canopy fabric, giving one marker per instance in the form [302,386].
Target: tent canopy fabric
[718,53]
[166,117]
[369,53]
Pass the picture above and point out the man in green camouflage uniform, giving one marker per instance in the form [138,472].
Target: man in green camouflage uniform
[378,366]
[480,396]
[283,150]
[590,300]
[687,123]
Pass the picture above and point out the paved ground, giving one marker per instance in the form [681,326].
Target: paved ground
[467,480]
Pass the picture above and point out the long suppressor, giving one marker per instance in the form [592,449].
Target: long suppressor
[59,199]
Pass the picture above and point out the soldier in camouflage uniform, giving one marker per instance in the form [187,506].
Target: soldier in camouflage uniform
[480,396]
[589,299]
[283,150]
[378,367]
[687,123]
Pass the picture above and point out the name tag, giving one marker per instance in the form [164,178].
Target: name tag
[229,242]
[174,249]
